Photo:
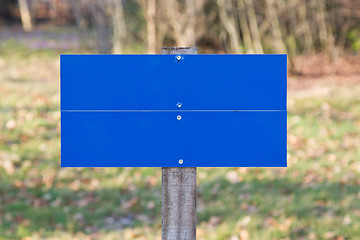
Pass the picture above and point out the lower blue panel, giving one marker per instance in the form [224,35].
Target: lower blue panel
[158,139]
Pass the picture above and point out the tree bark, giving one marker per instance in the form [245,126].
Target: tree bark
[79,18]
[272,16]
[325,32]
[151,25]
[25,15]
[245,27]
[149,9]
[119,28]
[97,10]
[305,29]
[255,34]
[182,24]
[229,24]
[190,28]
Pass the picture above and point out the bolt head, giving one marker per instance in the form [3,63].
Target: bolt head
[181,161]
[179,104]
[178,57]
[178,117]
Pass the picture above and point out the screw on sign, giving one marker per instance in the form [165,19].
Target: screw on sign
[233,118]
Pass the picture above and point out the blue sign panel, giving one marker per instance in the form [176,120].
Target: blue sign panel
[156,111]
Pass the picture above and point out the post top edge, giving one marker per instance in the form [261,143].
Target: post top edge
[179,50]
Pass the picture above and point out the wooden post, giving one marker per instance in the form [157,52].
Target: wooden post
[178,213]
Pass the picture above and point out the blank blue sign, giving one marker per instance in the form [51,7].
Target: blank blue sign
[156,111]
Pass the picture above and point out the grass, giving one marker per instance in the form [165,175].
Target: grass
[316,197]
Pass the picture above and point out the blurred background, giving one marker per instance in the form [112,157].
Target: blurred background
[316,197]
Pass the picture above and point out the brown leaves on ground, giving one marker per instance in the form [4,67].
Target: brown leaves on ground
[319,70]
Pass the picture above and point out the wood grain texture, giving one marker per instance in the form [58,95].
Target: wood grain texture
[178,203]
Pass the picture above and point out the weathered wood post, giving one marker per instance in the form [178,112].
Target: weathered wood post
[178,213]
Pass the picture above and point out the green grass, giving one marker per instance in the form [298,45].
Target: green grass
[316,197]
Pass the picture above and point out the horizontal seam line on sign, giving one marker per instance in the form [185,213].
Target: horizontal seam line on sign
[173,110]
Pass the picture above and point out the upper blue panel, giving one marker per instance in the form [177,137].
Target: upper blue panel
[159,82]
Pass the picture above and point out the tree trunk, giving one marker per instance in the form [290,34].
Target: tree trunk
[119,28]
[25,15]
[245,27]
[149,9]
[325,33]
[79,19]
[151,25]
[175,21]
[272,16]
[190,26]
[229,24]
[99,19]
[304,25]
[254,26]
[182,24]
